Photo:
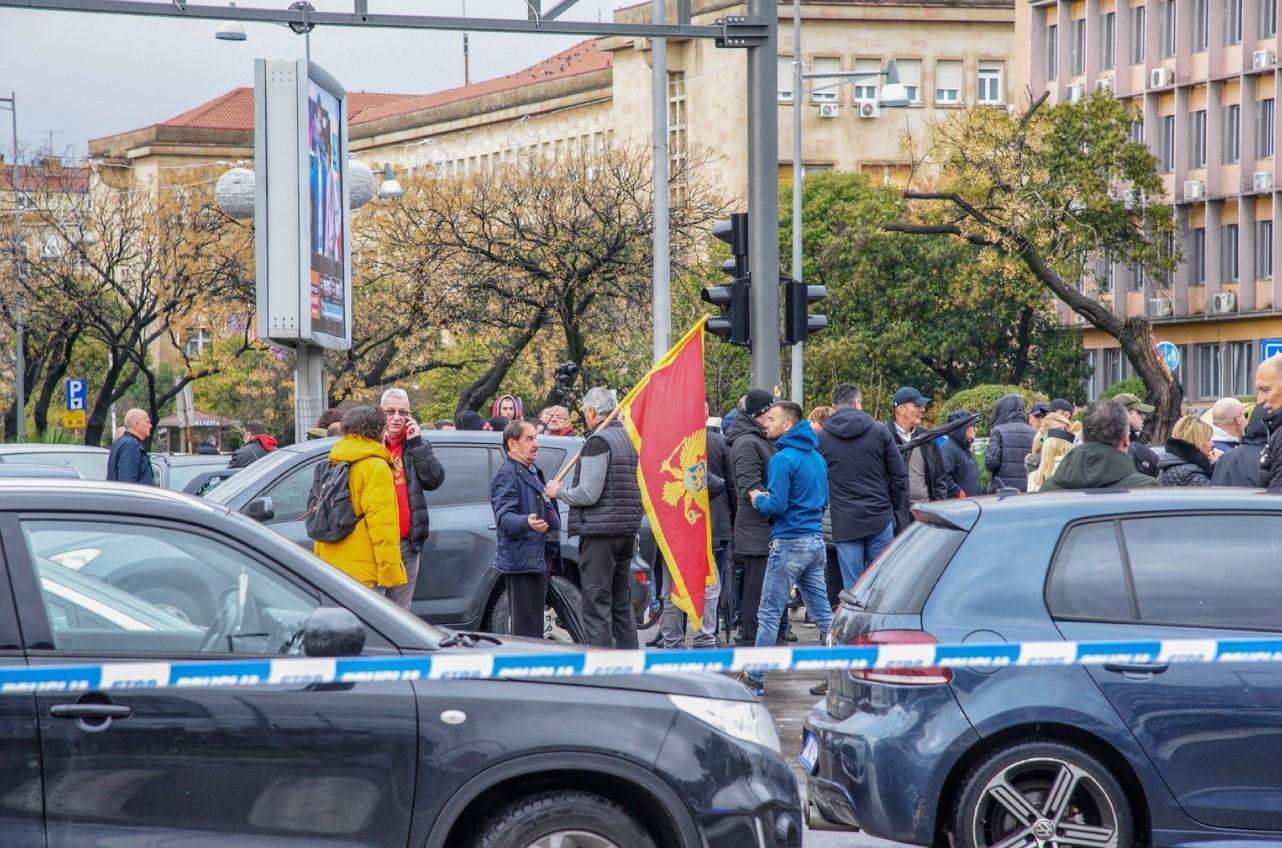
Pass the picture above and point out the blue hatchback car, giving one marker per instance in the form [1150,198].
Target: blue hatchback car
[1115,755]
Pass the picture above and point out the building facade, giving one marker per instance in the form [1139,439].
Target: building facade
[1204,77]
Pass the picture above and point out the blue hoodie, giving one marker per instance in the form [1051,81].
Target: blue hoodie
[798,483]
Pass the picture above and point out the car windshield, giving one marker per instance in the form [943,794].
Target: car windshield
[252,477]
[91,465]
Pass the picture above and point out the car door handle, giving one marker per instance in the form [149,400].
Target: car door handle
[91,711]
[1137,668]
[494,526]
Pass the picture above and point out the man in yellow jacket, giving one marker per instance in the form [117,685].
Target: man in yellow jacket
[371,553]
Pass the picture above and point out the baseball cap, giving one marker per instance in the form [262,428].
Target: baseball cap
[1134,403]
[910,395]
[1040,409]
[1061,405]
[757,402]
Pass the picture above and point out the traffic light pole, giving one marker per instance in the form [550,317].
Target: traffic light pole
[662,263]
[763,196]
[798,95]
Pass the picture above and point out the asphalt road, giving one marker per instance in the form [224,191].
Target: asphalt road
[788,698]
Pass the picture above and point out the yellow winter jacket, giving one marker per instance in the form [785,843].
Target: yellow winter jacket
[372,552]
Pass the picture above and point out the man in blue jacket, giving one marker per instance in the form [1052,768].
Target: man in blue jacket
[527,526]
[128,461]
[797,482]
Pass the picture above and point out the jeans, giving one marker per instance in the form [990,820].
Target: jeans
[856,555]
[791,562]
[672,622]
[605,577]
[403,594]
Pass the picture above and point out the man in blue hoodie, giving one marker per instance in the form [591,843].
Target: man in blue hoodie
[797,483]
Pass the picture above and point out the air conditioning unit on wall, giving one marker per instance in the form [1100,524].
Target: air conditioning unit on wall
[1161,78]
[1262,181]
[1160,307]
[1223,302]
[868,109]
[1194,189]
[829,110]
[1075,92]
[1263,59]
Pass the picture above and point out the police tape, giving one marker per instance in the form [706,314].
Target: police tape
[476,664]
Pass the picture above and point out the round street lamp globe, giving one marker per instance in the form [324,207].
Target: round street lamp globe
[360,182]
[234,193]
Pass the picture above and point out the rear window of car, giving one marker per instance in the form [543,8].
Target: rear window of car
[903,577]
[88,464]
[1088,579]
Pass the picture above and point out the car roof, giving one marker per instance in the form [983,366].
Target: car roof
[454,437]
[192,458]
[49,494]
[1070,505]
[32,470]
[43,447]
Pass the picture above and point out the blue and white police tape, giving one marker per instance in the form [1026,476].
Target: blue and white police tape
[297,671]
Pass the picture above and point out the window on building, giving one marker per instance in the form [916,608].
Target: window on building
[786,79]
[824,91]
[1135,277]
[1182,371]
[677,122]
[1264,129]
[1201,24]
[1137,128]
[1268,18]
[990,82]
[1233,22]
[1168,28]
[1197,256]
[1197,149]
[948,80]
[866,87]
[1241,369]
[1112,367]
[1091,384]
[1263,250]
[1109,277]
[1228,254]
[1052,52]
[1137,35]
[910,76]
[1168,143]
[1108,48]
[1232,133]
[198,341]
[1208,370]
[1079,47]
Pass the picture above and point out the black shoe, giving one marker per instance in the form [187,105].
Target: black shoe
[789,636]
[820,688]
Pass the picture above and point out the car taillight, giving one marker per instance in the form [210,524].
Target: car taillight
[902,675]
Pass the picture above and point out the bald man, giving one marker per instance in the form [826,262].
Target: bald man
[128,461]
[1268,392]
[1228,421]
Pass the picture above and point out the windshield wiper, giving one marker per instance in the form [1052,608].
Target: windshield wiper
[453,639]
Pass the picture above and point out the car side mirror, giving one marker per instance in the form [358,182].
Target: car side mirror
[261,509]
[333,632]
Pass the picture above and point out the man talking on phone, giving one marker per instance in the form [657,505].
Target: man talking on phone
[415,470]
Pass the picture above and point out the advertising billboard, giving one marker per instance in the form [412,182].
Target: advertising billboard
[302,212]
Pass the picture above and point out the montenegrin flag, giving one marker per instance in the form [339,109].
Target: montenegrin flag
[666,418]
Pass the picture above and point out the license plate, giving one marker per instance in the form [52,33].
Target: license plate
[809,752]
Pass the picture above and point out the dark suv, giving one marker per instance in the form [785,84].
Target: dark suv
[1121,754]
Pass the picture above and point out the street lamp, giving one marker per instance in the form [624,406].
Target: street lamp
[20,359]
[231,30]
[390,188]
[893,94]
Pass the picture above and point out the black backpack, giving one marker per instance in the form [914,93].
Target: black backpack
[330,516]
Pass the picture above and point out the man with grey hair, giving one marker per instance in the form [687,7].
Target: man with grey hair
[605,513]
[415,470]
[1228,423]
[128,461]
[1101,461]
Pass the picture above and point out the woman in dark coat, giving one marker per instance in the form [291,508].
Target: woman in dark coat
[1188,454]
[527,526]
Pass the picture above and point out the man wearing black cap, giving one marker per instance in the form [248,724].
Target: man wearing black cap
[924,461]
[1142,455]
[750,453]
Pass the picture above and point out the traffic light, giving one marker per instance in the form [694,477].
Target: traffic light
[798,323]
[732,298]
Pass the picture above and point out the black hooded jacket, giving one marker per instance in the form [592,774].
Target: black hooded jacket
[961,472]
[1010,439]
[750,453]
[1241,466]
[1271,456]
[867,478]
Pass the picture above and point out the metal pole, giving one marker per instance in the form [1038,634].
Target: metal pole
[309,388]
[20,359]
[798,98]
[662,266]
[467,71]
[763,197]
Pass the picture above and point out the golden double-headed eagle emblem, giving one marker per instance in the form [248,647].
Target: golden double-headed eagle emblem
[688,467]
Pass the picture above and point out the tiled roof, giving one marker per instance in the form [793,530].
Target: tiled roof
[584,57]
[42,178]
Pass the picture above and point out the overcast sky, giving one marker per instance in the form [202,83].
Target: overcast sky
[86,76]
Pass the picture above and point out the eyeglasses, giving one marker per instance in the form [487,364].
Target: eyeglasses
[396,413]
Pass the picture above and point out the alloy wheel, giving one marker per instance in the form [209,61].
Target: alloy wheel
[572,839]
[1044,802]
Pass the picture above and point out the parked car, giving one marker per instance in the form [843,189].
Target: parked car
[32,469]
[457,584]
[654,761]
[89,462]
[190,472]
[1123,754]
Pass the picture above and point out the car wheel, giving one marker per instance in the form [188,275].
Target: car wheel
[1042,793]
[562,820]
[560,616]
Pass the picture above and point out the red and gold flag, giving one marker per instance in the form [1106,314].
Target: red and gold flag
[666,418]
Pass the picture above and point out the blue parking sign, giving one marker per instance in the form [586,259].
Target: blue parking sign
[1270,348]
[76,392]
[1170,353]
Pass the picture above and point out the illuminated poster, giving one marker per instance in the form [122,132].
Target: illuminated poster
[324,117]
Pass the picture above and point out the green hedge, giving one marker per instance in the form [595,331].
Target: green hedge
[982,399]
[1129,386]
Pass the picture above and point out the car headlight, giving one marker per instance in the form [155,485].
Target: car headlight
[746,720]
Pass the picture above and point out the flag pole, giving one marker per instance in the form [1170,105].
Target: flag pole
[698,327]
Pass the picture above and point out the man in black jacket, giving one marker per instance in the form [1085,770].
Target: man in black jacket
[415,470]
[867,482]
[128,461]
[257,445]
[961,472]
[1241,466]
[1010,440]
[925,462]
[1268,391]
[1144,457]
[750,453]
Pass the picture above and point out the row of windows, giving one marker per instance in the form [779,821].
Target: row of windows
[1265,138]
[586,145]
[1168,31]
[1222,369]
[947,80]
[1195,254]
